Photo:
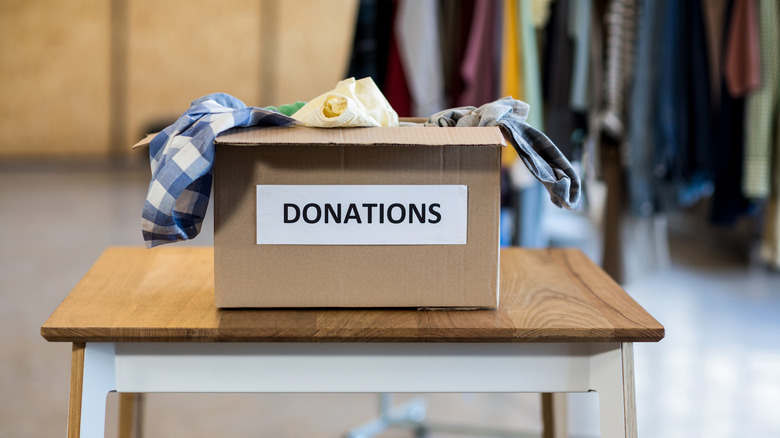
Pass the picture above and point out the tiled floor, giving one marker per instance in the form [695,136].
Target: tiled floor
[717,373]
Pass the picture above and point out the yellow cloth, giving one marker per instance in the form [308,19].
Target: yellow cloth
[511,66]
[351,104]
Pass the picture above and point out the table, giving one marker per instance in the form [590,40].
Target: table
[144,321]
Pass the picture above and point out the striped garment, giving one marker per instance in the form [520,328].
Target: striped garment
[621,22]
[181,158]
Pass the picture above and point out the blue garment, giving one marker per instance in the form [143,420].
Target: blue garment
[670,144]
[181,158]
[644,96]
[672,121]
[696,167]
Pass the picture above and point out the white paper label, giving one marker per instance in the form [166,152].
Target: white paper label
[362,214]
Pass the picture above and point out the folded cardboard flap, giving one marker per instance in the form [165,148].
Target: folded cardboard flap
[417,136]
[356,136]
[144,143]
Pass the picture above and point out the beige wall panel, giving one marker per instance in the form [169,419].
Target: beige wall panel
[54,71]
[313,47]
[181,50]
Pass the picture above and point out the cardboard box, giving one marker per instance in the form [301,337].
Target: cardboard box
[248,274]
[275,189]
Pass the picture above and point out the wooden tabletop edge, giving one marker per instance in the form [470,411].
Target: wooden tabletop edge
[143,334]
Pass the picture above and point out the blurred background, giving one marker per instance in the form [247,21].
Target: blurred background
[668,109]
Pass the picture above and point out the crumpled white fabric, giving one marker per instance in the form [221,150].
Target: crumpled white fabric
[351,104]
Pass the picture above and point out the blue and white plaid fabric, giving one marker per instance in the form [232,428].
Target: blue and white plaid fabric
[182,156]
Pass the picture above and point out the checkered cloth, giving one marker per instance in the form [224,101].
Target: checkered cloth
[182,156]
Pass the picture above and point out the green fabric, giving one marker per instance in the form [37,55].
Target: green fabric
[761,130]
[288,109]
[532,82]
[762,105]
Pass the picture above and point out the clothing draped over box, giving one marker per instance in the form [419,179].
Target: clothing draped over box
[542,158]
[182,156]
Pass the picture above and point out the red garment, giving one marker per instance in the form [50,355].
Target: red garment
[478,69]
[742,69]
[396,89]
[466,12]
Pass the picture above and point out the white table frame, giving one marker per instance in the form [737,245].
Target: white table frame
[126,367]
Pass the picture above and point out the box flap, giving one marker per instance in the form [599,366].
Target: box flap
[482,136]
[145,142]
[476,136]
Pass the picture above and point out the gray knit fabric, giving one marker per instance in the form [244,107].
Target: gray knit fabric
[539,154]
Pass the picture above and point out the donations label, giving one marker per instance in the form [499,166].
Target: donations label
[362,214]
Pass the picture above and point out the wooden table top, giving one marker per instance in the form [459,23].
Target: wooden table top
[133,294]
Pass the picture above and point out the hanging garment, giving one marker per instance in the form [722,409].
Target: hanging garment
[671,118]
[539,12]
[478,67]
[770,241]
[351,104]
[619,64]
[396,87]
[539,154]
[728,203]
[620,18]
[454,34]
[529,230]
[670,145]
[371,42]
[591,147]
[715,21]
[683,123]
[762,106]
[560,120]
[511,66]
[642,136]
[532,83]
[696,167]
[417,33]
[742,68]
[579,30]
[182,156]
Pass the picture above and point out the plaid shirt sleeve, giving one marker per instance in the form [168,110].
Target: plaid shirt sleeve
[181,158]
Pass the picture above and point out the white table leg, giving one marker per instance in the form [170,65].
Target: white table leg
[612,377]
[98,381]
